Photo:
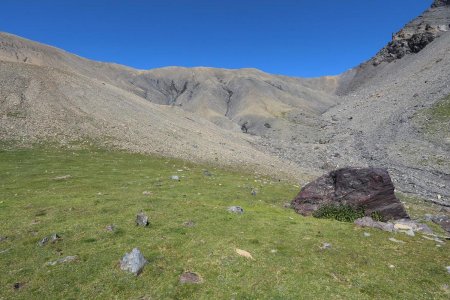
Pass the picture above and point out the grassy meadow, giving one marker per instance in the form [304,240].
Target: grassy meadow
[107,187]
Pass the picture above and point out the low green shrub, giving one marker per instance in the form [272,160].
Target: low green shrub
[340,212]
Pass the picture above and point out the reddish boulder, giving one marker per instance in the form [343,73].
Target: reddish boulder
[367,188]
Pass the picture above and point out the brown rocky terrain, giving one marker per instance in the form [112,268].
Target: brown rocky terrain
[373,115]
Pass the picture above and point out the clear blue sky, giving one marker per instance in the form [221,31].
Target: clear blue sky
[298,38]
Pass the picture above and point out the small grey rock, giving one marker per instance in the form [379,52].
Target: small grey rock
[133,262]
[236,209]
[189,223]
[396,241]
[254,192]
[369,222]
[62,260]
[111,228]
[44,241]
[207,173]
[3,238]
[142,219]
[448,269]
[55,238]
[146,193]
[175,177]
[366,234]
[65,177]
[190,277]
[325,246]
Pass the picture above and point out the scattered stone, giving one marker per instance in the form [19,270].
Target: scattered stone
[396,241]
[443,221]
[175,177]
[111,228]
[18,285]
[410,225]
[325,246]
[448,269]
[65,177]
[406,226]
[142,219]
[54,238]
[236,209]
[66,259]
[133,262]
[190,277]
[3,238]
[244,253]
[369,222]
[431,238]
[189,223]
[273,251]
[254,192]
[207,173]
[287,205]
[147,193]
[366,234]
[44,241]
[391,266]
[370,188]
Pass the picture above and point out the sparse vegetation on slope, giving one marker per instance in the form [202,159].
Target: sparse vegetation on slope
[38,198]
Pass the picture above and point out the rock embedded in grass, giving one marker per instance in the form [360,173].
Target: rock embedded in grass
[325,246]
[189,223]
[190,277]
[44,241]
[142,219]
[64,177]
[406,226]
[369,222]
[236,209]
[3,238]
[55,238]
[443,221]
[175,177]
[133,262]
[52,239]
[66,259]
[111,228]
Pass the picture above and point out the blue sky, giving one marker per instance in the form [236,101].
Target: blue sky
[296,38]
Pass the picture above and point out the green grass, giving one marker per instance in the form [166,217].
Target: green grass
[107,188]
[436,120]
[442,109]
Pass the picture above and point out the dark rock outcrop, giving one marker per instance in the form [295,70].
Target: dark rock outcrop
[438,3]
[367,188]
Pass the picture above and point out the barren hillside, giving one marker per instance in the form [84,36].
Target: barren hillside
[391,111]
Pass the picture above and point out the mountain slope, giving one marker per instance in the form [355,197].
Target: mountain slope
[382,113]
[39,103]
[228,98]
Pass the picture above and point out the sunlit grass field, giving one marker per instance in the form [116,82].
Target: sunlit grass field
[106,187]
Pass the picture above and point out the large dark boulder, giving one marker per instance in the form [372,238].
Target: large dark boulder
[367,188]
